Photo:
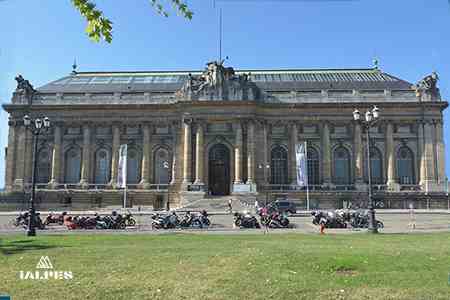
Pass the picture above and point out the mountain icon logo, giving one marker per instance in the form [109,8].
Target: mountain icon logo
[44,263]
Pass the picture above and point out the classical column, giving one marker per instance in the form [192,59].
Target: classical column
[420,150]
[250,153]
[440,156]
[20,159]
[266,154]
[115,153]
[177,135]
[391,183]
[187,152]
[11,156]
[56,157]
[326,154]
[293,141]
[146,156]
[428,181]
[86,163]
[238,155]
[199,154]
[359,158]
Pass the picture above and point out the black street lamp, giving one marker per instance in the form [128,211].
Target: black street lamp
[371,117]
[36,127]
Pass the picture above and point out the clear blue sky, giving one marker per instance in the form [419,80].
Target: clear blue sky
[40,38]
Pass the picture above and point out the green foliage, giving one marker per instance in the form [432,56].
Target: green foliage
[100,27]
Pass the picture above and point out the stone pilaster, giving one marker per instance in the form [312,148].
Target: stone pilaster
[440,156]
[238,155]
[391,183]
[146,156]
[359,157]
[428,178]
[11,156]
[86,158]
[187,152]
[177,134]
[20,160]
[199,152]
[115,153]
[56,157]
[251,153]
[266,154]
[293,141]
[326,154]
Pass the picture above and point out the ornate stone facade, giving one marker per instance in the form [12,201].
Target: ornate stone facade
[223,131]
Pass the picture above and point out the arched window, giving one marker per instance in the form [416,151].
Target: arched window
[43,166]
[162,167]
[133,166]
[279,166]
[341,166]
[376,166]
[405,166]
[102,166]
[72,166]
[313,167]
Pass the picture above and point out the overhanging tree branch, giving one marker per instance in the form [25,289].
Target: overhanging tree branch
[99,27]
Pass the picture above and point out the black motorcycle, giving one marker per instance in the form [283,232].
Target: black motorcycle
[361,220]
[165,221]
[277,220]
[245,221]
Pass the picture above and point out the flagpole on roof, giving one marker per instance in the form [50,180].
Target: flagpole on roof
[307,178]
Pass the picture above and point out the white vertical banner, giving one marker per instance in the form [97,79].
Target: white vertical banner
[302,169]
[122,168]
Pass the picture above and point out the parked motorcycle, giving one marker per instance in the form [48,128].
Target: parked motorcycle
[165,221]
[55,219]
[23,219]
[245,220]
[128,219]
[361,220]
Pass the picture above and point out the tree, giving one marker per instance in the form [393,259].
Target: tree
[99,27]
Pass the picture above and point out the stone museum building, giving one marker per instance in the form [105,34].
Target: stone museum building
[223,132]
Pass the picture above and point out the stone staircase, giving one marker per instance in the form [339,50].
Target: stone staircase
[217,204]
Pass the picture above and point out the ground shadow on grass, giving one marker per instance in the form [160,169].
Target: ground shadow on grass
[19,246]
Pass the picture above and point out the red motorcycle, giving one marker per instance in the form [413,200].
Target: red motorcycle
[55,219]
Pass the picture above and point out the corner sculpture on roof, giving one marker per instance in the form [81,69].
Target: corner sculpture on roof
[428,86]
[24,89]
[218,83]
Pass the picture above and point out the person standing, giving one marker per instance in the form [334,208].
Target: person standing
[256,206]
[230,206]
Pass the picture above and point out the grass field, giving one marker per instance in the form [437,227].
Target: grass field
[278,266]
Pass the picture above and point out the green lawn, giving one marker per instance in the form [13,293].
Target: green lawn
[188,266]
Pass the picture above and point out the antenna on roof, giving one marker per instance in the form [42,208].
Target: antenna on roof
[220,34]
[74,67]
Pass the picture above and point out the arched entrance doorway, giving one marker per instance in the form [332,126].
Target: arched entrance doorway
[219,170]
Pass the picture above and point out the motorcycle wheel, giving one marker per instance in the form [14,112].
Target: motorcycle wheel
[380,224]
[285,222]
[132,222]
[122,225]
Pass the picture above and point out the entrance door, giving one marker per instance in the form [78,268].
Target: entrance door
[219,170]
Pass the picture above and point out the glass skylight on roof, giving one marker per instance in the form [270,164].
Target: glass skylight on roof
[100,80]
[121,79]
[80,80]
[62,81]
